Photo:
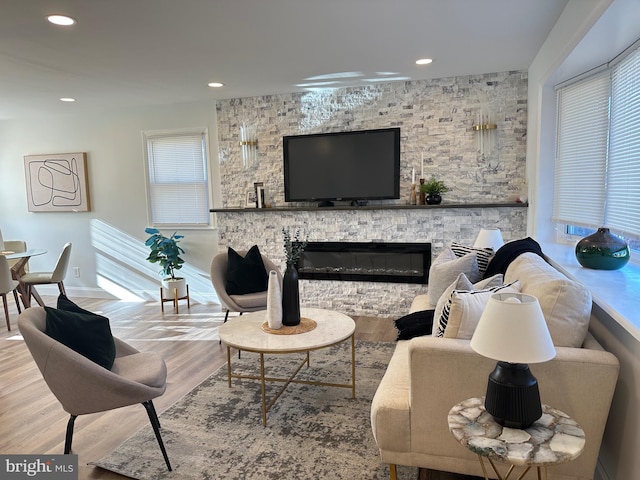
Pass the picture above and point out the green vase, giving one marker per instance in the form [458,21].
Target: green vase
[602,251]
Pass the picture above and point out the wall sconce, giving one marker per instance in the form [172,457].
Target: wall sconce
[485,131]
[249,146]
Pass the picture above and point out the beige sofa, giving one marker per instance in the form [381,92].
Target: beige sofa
[428,375]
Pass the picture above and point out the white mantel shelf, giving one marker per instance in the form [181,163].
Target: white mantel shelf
[314,208]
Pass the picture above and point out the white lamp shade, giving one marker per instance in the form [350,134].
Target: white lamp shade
[512,329]
[489,238]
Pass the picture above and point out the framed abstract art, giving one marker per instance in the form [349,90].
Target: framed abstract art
[57,182]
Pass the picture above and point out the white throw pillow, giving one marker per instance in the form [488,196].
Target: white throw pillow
[445,270]
[462,283]
[464,309]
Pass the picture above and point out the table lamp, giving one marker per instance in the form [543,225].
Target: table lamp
[489,238]
[512,330]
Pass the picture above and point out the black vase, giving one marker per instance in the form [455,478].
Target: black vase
[434,199]
[602,251]
[290,297]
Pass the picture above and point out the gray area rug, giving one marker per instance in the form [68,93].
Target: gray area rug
[216,432]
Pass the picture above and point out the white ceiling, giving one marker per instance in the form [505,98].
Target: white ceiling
[145,52]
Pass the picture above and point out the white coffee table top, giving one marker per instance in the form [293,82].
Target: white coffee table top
[245,332]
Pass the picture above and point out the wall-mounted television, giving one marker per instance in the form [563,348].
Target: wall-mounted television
[358,165]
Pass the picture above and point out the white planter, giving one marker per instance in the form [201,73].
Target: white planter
[169,285]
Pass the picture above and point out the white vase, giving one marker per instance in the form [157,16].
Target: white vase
[170,285]
[274,302]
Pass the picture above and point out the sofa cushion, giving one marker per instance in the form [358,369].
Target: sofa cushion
[415,324]
[445,270]
[390,407]
[484,254]
[421,302]
[464,309]
[565,304]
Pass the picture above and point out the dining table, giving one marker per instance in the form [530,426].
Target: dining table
[18,270]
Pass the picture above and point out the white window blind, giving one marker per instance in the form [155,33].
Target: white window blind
[623,175]
[581,152]
[178,179]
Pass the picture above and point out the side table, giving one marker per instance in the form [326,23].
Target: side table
[552,439]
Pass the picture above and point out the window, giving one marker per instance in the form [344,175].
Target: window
[177,178]
[597,173]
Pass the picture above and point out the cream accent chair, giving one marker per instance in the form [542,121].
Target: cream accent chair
[251,302]
[16,246]
[44,278]
[83,387]
[427,376]
[7,285]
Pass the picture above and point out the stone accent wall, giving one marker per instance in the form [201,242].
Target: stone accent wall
[435,117]
[439,226]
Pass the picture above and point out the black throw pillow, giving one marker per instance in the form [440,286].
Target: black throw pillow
[87,333]
[415,324]
[508,253]
[65,304]
[246,275]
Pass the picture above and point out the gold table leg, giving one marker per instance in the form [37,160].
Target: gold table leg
[266,406]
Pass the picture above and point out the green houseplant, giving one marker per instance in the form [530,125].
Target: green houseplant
[166,252]
[433,189]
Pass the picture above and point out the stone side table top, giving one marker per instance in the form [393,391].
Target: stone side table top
[552,439]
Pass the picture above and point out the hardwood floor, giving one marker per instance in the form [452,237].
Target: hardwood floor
[33,422]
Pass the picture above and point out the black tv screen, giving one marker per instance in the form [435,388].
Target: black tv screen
[361,165]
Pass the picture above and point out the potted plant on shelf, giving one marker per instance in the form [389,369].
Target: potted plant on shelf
[432,189]
[166,252]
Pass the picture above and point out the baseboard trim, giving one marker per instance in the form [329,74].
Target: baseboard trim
[143,295]
[600,473]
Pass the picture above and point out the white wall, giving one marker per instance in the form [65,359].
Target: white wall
[589,33]
[108,241]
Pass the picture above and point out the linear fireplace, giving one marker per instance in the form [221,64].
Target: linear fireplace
[366,261]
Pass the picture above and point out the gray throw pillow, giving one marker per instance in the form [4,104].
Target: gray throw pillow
[445,270]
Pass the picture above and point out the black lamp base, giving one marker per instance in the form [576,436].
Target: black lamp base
[512,397]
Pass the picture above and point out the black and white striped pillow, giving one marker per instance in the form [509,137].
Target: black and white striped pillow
[484,254]
[444,316]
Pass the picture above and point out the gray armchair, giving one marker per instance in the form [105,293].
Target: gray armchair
[83,387]
[250,302]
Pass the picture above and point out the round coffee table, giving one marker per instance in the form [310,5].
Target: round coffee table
[246,333]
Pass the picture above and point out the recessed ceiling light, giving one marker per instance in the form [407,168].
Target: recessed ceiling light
[216,84]
[67,99]
[61,20]
[424,61]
